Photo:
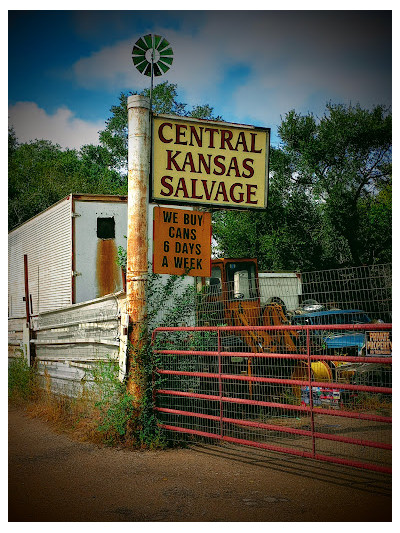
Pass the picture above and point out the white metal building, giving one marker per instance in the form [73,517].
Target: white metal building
[78,307]
[71,249]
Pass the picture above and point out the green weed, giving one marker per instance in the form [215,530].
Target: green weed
[22,380]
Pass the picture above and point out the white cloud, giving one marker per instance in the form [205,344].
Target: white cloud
[111,68]
[290,57]
[31,122]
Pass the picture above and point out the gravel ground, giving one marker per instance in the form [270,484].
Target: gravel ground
[55,479]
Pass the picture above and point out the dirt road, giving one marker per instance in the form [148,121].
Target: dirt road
[53,478]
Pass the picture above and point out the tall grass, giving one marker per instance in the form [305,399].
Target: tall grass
[102,413]
[22,381]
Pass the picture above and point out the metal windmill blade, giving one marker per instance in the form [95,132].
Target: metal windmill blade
[152,55]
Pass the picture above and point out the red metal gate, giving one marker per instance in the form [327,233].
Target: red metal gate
[321,403]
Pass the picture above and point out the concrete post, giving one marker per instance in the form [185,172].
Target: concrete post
[137,261]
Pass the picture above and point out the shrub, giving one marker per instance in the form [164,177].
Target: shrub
[116,414]
[22,380]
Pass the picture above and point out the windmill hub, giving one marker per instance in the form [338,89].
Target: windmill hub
[152,52]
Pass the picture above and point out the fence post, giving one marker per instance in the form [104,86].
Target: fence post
[26,332]
[310,391]
[221,424]
[139,150]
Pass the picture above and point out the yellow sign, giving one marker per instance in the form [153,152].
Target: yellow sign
[209,163]
[181,242]
[379,343]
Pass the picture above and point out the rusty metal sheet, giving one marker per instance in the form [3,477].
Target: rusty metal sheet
[64,250]
[96,250]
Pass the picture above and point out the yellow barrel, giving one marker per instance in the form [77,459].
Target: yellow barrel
[320,371]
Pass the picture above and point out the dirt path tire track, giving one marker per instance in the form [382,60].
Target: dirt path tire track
[53,478]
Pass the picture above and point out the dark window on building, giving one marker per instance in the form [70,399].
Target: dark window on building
[106,228]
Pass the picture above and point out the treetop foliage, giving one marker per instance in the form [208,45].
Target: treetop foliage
[40,173]
[329,194]
[114,137]
[349,145]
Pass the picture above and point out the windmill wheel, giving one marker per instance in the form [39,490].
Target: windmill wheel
[152,50]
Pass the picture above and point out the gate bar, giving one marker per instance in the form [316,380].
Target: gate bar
[283,429]
[233,377]
[285,406]
[290,451]
[272,355]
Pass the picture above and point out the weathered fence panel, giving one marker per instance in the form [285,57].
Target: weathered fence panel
[15,336]
[68,341]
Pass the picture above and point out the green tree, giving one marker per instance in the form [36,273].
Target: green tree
[329,201]
[114,137]
[375,236]
[282,237]
[40,173]
[12,142]
[344,160]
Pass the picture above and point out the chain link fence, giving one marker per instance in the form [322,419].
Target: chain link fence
[298,363]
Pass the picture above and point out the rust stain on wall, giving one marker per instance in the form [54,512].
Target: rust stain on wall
[107,270]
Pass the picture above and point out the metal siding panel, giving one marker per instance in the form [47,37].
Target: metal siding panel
[106,307]
[76,352]
[68,378]
[46,239]
[74,337]
[15,336]
[87,244]
[63,378]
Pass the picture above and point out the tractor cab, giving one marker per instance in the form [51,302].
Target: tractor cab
[233,279]
[231,296]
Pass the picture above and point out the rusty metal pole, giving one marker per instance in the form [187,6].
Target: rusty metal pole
[137,246]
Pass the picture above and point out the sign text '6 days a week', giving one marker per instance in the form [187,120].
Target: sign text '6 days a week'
[181,242]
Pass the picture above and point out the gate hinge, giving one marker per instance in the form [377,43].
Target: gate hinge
[75,273]
[75,215]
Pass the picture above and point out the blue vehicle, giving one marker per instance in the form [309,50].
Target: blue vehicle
[329,342]
[337,341]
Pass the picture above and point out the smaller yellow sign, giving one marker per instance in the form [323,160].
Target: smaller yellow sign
[181,242]
[379,343]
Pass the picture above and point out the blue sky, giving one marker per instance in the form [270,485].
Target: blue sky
[67,68]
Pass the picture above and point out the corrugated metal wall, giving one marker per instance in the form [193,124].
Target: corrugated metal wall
[46,240]
[62,238]
[69,340]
